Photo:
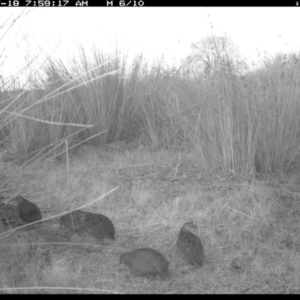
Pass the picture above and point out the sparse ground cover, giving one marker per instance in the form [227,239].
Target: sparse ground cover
[249,227]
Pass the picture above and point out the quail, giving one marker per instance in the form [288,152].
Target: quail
[8,215]
[20,211]
[146,261]
[28,211]
[73,221]
[190,246]
[99,226]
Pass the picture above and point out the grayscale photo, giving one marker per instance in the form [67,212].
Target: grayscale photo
[149,150]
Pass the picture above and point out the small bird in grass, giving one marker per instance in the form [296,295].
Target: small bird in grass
[19,211]
[73,221]
[9,215]
[99,226]
[95,225]
[190,246]
[146,261]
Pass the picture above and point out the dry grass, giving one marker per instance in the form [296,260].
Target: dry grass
[249,234]
[152,148]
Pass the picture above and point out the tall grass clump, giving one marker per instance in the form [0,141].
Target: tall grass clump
[161,122]
[85,95]
[228,125]
[213,116]
[275,88]
[239,124]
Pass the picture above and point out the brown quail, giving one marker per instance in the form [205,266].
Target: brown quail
[146,261]
[99,226]
[190,246]
[73,221]
[9,215]
[28,211]
[20,211]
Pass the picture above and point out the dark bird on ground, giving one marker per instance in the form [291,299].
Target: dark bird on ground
[19,211]
[146,261]
[92,224]
[190,246]
[9,215]
[73,220]
[99,226]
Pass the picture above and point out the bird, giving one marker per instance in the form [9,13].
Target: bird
[29,212]
[92,224]
[20,211]
[190,246]
[73,221]
[146,261]
[8,215]
[99,226]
